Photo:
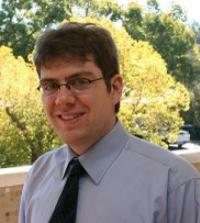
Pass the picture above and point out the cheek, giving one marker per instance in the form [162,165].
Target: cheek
[47,105]
[86,100]
[103,104]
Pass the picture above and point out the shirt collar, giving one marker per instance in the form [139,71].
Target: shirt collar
[99,158]
[70,156]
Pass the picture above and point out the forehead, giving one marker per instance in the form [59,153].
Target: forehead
[48,63]
[68,66]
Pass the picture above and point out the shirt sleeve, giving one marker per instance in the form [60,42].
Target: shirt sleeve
[184,203]
[22,210]
[23,201]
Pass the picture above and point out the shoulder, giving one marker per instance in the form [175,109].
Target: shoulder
[54,156]
[178,170]
[45,169]
[55,153]
[47,164]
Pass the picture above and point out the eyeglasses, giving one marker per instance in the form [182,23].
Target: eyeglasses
[74,85]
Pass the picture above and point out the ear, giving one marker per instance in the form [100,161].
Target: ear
[116,88]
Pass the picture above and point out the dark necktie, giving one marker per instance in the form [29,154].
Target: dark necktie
[65,210]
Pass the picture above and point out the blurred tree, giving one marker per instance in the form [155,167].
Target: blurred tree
[196,29]
[108,9]
[153,6]
[178,13]
[193,115]
[25,133]
[154,98]
[22,20]
[173,40]
[167,32]
[132,18]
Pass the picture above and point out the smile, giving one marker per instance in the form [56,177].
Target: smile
[70,117]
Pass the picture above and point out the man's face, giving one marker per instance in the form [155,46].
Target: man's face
[80,118]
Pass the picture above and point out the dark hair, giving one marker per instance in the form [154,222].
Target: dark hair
[79,40]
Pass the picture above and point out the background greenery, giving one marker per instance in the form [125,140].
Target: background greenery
[159,59]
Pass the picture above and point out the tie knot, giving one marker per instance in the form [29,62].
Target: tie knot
[75,168]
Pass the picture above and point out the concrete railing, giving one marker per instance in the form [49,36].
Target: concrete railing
[193,156]
[12,179]
[11,183]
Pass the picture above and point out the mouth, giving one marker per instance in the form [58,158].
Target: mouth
[69,118]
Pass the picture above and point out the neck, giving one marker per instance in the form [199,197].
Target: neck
[86,144]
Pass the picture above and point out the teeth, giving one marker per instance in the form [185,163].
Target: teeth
[70,117]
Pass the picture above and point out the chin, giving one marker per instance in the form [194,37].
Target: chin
[70,138]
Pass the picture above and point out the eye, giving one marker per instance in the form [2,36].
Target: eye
[79,83]
[49,86]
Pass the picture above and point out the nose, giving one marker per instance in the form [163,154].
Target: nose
[65,85]
[64,96]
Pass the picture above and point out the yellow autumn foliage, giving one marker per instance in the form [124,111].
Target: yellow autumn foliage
[25,133]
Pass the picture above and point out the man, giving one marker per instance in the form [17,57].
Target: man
[125,179]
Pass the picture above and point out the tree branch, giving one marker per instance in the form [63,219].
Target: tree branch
[14,118]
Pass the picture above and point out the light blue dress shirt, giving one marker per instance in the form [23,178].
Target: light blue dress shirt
[128,180]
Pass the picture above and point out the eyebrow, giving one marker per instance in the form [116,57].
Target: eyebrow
[47,80]
[74,75]
[80,74]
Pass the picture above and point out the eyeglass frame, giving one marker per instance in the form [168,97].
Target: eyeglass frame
[67,85]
